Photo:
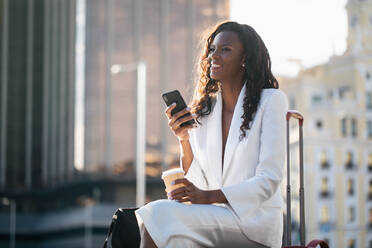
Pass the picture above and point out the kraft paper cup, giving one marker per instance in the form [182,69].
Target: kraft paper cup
[169,176]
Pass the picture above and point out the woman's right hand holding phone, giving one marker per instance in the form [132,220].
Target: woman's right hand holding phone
[174,122]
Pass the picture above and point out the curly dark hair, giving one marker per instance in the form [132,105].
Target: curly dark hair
[257,74]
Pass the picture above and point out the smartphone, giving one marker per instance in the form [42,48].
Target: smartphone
[174,96]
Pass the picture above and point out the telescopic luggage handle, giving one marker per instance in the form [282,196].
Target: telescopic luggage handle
[297,115]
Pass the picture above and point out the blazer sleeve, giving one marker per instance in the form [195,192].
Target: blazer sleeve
[247,196]
[195,174]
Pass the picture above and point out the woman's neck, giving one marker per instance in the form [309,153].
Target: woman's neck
[230,93]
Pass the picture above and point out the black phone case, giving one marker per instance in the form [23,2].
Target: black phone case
[174,96]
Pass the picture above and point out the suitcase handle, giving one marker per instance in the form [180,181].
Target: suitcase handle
[295,114]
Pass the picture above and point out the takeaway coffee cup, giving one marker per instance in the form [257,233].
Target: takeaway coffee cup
[169,176]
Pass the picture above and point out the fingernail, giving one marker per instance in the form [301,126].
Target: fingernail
[193,115]
[173,104]
[173,182]
[188,109]
[168,193]
[170,197]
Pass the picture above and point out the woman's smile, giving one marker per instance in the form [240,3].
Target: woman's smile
[215,67]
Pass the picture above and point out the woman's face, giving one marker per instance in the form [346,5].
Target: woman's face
[226,55]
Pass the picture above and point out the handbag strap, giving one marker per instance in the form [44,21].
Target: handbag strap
[114,218]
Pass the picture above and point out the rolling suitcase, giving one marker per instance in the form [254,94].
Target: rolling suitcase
[288,225]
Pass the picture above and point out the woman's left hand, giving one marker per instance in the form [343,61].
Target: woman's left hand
[189,193]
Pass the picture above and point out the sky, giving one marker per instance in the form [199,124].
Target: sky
[309,31]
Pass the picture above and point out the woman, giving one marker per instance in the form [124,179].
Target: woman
[233,160]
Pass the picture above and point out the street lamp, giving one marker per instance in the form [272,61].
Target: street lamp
[12,224]
[141,125]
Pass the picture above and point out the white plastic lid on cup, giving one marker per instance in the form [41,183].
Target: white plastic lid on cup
[171,171]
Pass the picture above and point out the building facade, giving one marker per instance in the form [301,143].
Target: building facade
[37,93]
[336,100]
[165,35]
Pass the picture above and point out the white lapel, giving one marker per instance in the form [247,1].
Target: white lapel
[214,140]
[234,131]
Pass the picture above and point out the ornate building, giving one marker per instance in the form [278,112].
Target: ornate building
[336,100]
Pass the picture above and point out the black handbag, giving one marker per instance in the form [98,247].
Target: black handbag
[124,230]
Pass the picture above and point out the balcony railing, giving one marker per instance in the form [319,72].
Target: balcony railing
[350,192]
[325,194]
[350,166]
[325,165]
[369,196]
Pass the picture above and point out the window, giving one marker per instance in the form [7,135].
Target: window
[324,215]
[343,127]
[370,190]
[350,160]
[370,219]
[350,187]
[330,94]
[353,21]
[343,91]
[316,99]
[354,127]
[325,225]
[351,214]
[369,162]
[368,76]
[369,101]
[292,103]
[324,160]
[324,187]
[351,243]
[369,129]
[319,124]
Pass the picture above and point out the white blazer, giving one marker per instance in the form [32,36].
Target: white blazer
[253,167]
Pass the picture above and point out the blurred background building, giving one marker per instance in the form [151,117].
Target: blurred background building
[163,33]
[37,93]
[68,109]
[336,100]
